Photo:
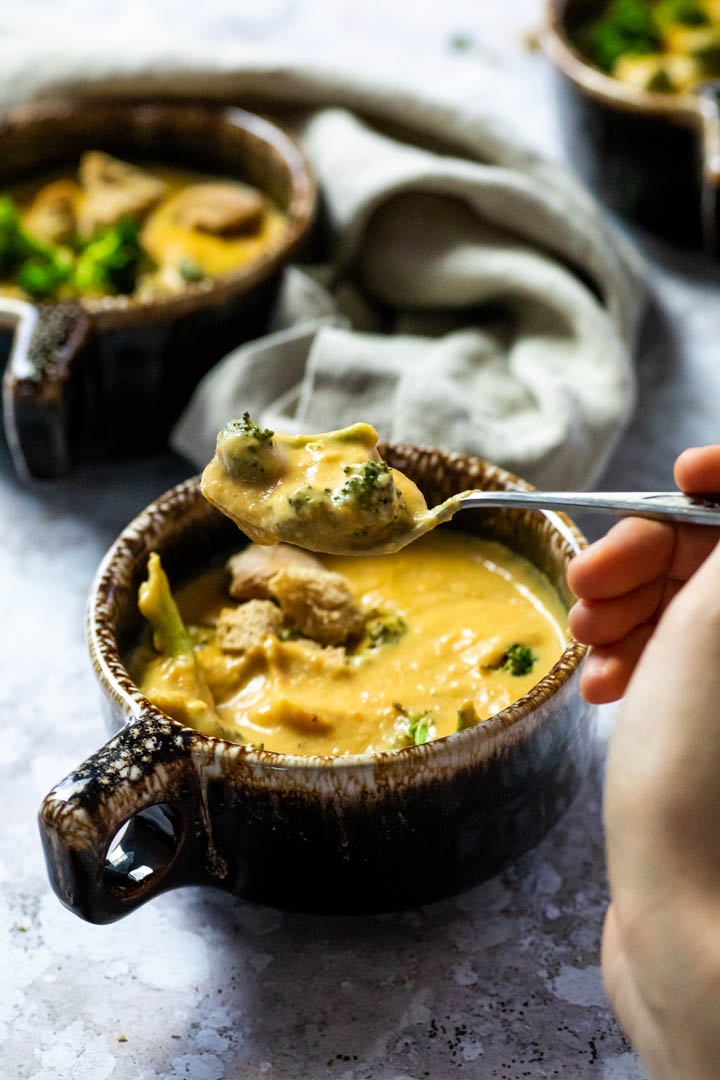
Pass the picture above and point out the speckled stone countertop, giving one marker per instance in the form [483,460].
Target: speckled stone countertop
[501,982]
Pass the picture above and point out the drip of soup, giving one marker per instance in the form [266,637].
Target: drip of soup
[344,655]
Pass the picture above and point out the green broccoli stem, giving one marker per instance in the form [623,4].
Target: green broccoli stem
[156,603]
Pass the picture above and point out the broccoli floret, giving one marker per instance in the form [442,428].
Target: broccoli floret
[661,83]
[628,26]
[307,499]
[243,449]
[415,726]
[110,262]
[686,12]
[11,246]
[384,629]
[190,270]
[41,276]
[518,660]
[467,717]
[37,268]
[707,56]
[247,427]
[369,485]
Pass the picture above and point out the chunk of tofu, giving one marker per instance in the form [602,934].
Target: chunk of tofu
[114,189]
[244,628]
[51,217]
[225,208]
[318,603]
[252,568]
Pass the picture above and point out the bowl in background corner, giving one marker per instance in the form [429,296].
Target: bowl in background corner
[110,375]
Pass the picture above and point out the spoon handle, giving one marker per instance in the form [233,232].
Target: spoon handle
[657,505]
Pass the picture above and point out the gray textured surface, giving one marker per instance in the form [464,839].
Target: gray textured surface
[501,982]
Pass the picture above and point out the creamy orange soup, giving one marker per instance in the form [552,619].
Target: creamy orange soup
[463,602]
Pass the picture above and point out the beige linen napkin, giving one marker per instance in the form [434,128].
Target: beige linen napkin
[473,298]
[457,323]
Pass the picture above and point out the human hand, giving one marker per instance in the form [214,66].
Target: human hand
[626,580]
[661,949]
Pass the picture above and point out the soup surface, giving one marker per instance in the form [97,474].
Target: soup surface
[667,46]
[346,655]
[114,227]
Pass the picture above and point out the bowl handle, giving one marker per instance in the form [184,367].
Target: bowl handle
[47,386]
[709,102]
[144,778]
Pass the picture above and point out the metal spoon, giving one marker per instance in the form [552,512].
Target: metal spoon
[657,505]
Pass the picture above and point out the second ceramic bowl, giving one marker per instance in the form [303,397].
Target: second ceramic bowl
[111,374]
[354,834]
[652,157]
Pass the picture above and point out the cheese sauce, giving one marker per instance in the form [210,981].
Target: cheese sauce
[330,492]
[464,600]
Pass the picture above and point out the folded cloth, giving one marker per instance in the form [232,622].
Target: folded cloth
[474,298]
[464,317]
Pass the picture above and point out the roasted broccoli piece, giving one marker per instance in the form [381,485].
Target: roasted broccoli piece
[518,660]
[246,451]
[628,26]
[369,485]
[384,629]
[110,262]
[467,717]
[415,726]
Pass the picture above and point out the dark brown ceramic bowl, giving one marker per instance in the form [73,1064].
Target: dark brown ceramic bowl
[111,375]
[355,834]
[652,157]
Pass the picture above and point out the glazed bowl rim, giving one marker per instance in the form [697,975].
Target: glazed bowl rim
[115,679]
[558,46]
[110,311]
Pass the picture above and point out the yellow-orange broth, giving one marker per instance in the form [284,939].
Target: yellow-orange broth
[465,601]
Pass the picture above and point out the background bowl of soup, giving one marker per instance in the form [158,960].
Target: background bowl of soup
[364,832]
[649,148]
[99,373]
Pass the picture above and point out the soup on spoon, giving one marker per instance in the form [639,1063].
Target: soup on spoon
[331,493]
